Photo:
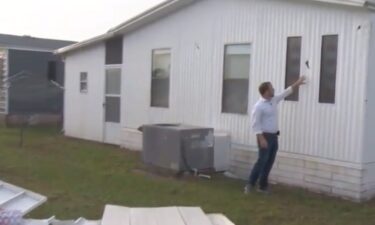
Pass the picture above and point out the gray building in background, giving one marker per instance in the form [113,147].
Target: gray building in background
[31,79]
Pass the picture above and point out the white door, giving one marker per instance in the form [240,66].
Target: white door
[112,106]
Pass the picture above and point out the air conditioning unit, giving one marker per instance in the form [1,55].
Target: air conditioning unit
[222,147]
[178,147]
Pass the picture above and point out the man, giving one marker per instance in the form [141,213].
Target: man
[265,126]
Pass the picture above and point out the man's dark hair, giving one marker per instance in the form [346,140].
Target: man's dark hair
[263,88]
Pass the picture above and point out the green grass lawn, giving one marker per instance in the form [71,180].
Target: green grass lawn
[80,177]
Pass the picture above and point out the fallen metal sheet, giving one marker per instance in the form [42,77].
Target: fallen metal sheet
[52,221]
[219,219]
[118,215]
[39,222]
[14,198]
[83,221]
[194,216]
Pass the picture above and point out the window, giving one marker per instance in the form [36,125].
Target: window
[113,95]
[83,82]
[236,78]
[161,68]
[113,51]
[328,69]
[293,64]
[52,71]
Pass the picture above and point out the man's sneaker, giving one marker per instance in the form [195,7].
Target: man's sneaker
[248,189]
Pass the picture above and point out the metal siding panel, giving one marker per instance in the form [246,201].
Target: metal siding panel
[197,36]
[369,140]
[83,113]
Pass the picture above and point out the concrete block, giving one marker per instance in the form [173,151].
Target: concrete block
[318,188]
[348,171]
[131,139]
[318,180]
[347,179]
[290,181]
[241,158]
[290,161]
[288,171]
[318,166]
[318,173]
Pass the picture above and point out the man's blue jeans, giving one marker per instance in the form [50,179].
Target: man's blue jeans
[266,159]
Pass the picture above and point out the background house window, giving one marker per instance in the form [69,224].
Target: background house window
[293,64]
[236,78]
[52,71]
[161,68]
[328,69]
[83,82]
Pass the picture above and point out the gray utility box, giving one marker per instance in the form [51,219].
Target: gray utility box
[178,147]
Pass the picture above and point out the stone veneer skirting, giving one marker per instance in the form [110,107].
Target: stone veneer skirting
[346,180]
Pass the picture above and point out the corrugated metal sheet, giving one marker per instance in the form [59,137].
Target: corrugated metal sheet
[19,199]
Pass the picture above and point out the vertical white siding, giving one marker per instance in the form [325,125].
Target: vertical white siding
[369,138]
[308,127]
[197,35]
[83,116]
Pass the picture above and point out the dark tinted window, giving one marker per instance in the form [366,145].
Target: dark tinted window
[113,51]
[293,64]
[328,69]
[52,70]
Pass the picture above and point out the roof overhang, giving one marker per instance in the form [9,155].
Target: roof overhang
[168,7]
[358,3]
[142,19]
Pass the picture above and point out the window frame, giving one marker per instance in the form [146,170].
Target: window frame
[83,81]
[295,96]
[170,50]
[322,99]
[223,77]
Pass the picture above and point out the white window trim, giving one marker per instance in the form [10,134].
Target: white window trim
[84,81]
[223,71]
[161,51]
[113,66]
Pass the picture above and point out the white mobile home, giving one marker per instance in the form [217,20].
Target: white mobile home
[200,62]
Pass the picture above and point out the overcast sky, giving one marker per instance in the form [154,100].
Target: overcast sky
[67,19]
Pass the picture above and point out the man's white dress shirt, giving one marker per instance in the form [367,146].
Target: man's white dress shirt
[264,114]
